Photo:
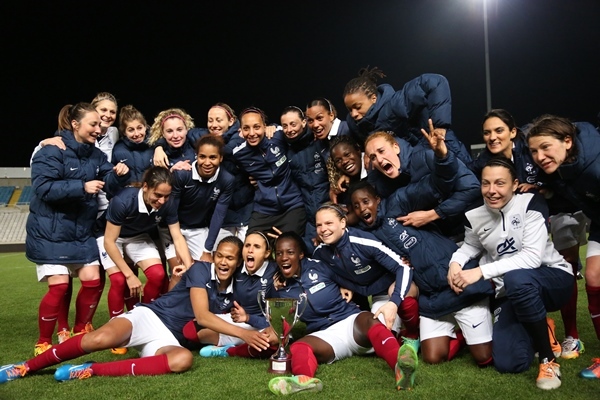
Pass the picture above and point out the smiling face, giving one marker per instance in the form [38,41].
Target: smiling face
[253,128]
[108,113]
[346,159]
[174,132]
[497,186]
[292,124]
[288,255]
[359,104]
[254,252]
[364,205]
[218,121]
[226,260]
[549,152]
[498,136]
[330,226]
[88,129]
[135,131]
[319,121]
[384,156]
[208,161]
[156,197]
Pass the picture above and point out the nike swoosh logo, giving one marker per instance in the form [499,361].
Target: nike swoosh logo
[475,326]
[54,354]
[252,163]
[592,315]
[54,319]
[117,312]
[385,340]
[239,280]
[123,160]
[189,186]
[73,169]
[486,229]
[132,367]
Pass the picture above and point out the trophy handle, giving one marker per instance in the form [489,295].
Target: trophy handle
[302,301]
[260,297]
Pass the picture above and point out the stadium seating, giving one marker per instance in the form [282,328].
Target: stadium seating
[25,197]
[5,194]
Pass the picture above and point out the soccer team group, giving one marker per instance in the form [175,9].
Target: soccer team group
[399,242]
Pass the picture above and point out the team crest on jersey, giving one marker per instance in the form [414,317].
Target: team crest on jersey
[506,247]
[264,281]
[515,221]
[104,255]
[497,312]
[313,276]
[280,161]
[97,170]
[362,270]
[356,261]
[157,219]
[275,150]
[403,236]
[317,156]
[410,242]
[226,301]
[215,194]
[392,222]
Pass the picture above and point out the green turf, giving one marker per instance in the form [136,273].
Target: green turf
[225,378]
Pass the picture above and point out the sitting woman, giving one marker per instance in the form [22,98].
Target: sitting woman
[154,329]
[336,329]
[509,232]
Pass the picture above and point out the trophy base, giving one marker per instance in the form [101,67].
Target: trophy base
[280,366]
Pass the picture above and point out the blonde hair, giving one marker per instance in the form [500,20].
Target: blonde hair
[156,130]
[380,134]
[104,96]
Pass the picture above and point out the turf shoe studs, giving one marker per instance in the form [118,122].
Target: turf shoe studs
[406,367]
[593,371]
[215,351]
[68,372]
[11,372]
[284,385]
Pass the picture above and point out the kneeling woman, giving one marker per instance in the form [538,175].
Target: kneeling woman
[336,329]
[530,276]
[154,329]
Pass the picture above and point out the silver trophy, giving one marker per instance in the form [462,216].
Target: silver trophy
[282,315]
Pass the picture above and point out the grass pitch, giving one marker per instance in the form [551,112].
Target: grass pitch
[234,378]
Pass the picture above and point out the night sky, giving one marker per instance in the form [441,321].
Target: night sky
[545,57]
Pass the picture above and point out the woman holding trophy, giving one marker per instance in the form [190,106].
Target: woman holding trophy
[336,328]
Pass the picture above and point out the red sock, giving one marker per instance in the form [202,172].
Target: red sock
[409,314]
[153,365]
[245,350]
[63,311]
[67,350]
[569,314]
[49,309]
[593,294]
[155,274]
[85,304]
[99,292]
[456,345]
[116,301]
[384,343]
[304,361]
[190,332]
[486,363]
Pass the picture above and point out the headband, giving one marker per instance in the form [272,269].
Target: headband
[334,207]
[264,237]
[172,116]
[224,109]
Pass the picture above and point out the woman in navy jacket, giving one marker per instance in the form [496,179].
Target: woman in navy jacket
[569,157]
[277,198]
[60,240]
[404,112]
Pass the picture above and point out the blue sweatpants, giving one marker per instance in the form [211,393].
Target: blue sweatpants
[530,294]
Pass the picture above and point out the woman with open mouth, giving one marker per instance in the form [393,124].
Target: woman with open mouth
[336,328]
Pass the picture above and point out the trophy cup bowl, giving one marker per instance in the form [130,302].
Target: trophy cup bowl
[282,315]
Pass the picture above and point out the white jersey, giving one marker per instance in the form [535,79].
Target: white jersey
[514,237]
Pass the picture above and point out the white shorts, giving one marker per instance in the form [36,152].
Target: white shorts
[148,334]
[380,300]
[568,229]
[46,270]
[593,249]
[340,336]
[137,248]
[225,340]
[475,322]
[237,231]
[195,239]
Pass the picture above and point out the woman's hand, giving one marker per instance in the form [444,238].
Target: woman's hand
[418,218]
[184,165]
[389,311]
[453,271]
[93,187]
[270,131]
[436,138]
[135,286]
[238,314]
[257,340]
[467,277]
[160,158]
[346,294]
[342,183]
[54,141]
[121,169]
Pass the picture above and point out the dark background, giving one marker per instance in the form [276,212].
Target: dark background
[158,54]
